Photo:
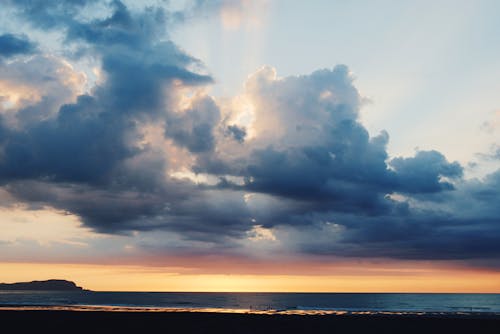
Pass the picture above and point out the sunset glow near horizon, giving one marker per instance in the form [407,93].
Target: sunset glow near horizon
[164,279]
[234,145]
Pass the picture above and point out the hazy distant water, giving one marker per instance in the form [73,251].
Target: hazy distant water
[300,301]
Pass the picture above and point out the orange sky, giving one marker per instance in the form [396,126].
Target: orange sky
[349,279]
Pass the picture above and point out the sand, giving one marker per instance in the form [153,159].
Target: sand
[95,320]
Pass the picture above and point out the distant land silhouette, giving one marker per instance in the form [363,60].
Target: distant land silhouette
[48,285]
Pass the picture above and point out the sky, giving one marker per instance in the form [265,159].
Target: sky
[264,145]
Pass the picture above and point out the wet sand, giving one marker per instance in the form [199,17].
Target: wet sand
[138,320]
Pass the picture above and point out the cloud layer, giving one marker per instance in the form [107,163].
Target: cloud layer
[147,149]
[11,45]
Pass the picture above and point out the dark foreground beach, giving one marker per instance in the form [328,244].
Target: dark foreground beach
[64,321]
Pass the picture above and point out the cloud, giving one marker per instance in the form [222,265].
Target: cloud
[194,128]
[425,172]
[34,89]
[146,150]
[496,152]
[491,125]
[238,133]
[48,14]
[86,140]
[83,154]
[493,154]
[312,147]
[12,45]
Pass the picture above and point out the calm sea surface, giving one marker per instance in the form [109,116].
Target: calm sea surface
[276,301]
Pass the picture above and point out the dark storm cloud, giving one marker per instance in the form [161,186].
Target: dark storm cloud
[86,140]
[412,241]
[311,174]
[312,169]
[462,224]
[87,146]
[328,157]
[82,144]
[424,172]
[11,45]
[347,177]
[178,207]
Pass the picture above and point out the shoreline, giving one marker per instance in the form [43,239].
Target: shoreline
[208,310]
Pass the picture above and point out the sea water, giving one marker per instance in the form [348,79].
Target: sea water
[378,302]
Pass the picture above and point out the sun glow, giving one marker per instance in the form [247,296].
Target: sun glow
[138,278]
[13,94]
[240,111]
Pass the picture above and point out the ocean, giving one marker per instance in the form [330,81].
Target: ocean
[350,302]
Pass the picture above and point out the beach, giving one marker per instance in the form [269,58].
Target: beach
[91,320]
